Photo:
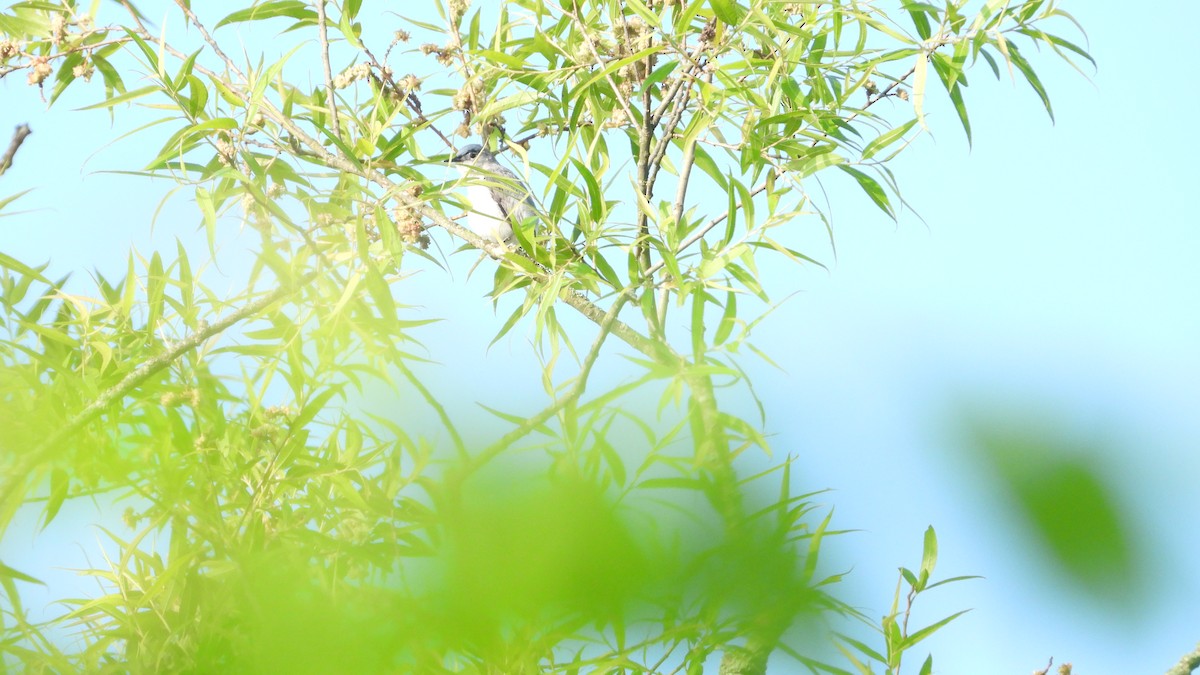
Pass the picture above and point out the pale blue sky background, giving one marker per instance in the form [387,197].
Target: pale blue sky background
[1055,269]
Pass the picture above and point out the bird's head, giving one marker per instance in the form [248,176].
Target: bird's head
[471,154]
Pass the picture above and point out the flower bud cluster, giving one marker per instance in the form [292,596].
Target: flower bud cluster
[408,221]
[39,70]
[469,97]
[634,35]
[444,55]
[356,72]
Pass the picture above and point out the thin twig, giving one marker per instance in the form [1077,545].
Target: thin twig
[410,99]
[5,70]
[18,138]
[323,39]
[688,75]
[650,159]
[685,172]
[577,389]
[645,136]
[660,148]
[208,38]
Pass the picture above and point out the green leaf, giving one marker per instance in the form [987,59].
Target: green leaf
[729,11]
[728,319]
[867,651]
[518,420]
[606,270]
[150,54]
[123,98]
[1022,65]
[947,73]
[496,58]
[295,9]
[814,162]
[493,108]
[156,283]
[596,204]
[661,73]
[509,323]
[929,630]
[952,580]
[6,571]
[929,555]
[1054,482]
[698,299]
[611,68]
[59,482]
[672,483]
[887,138]
[19,267]
[612,458]
[204,201]
[920,77]
[919,12]
[313,407]
[346,26]
[873,189]
[381,293]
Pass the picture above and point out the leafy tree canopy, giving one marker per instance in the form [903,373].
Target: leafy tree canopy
[276,525]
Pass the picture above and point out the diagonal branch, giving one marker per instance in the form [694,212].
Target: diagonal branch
[606,326]
[1187,664]
[31,459]
[18,138]
[185,5]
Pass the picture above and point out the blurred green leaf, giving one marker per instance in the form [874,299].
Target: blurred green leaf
[1053,479]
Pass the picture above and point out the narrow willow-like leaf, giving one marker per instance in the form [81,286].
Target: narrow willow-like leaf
[887,138]
[920,77]
[295,9]
[873,189]
[1030,76]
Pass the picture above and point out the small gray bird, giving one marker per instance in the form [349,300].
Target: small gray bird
[498,198]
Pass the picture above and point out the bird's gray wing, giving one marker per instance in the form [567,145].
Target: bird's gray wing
[511,195]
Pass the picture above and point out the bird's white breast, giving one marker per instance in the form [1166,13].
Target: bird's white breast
[485,217]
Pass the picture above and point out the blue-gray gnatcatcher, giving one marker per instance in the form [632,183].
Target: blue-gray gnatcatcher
[497,198]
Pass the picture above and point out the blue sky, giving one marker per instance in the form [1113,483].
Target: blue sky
[1052,269]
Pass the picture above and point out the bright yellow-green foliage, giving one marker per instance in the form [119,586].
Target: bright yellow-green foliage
[272,524]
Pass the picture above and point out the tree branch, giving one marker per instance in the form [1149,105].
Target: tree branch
[18,137]
[685,173]
[1187,664]
[32,458]
[606,326]
[208,38]
[323,39]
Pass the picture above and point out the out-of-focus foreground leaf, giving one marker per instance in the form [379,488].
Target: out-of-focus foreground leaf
[1054,480]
